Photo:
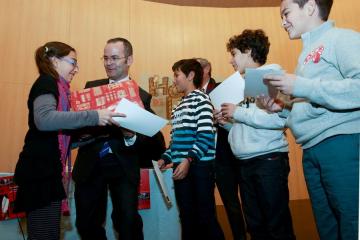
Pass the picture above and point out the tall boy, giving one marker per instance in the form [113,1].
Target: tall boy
[325,113]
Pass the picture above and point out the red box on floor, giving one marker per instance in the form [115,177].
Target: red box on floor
[8,191]
[144,189]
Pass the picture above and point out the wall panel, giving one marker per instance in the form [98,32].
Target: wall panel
[91,24]
[157,35]
[13,123]
[27,25]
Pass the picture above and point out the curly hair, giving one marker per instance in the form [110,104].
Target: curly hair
[254,40]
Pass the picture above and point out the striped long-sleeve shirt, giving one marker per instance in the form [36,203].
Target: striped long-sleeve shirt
[192,134]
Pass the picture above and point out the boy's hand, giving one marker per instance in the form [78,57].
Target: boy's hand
[283,83]
[218,117]
[163,166]
[181,170]
[269,104]
[227,110]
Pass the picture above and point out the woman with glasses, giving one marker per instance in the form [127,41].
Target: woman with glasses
[41,166]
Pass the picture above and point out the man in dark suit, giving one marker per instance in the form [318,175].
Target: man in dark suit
[112,161]
[227,179]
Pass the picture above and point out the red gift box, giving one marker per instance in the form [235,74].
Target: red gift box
[8,191]
[105,96]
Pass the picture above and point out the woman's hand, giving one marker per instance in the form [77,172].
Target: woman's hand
[106,117]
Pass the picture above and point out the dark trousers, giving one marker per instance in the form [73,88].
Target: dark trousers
[91,203]
[227,182]
[44,223]
[196,202]
[331,170]
[265,196]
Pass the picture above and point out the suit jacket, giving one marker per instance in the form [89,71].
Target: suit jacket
[223,149]
[211,85]
[130,158]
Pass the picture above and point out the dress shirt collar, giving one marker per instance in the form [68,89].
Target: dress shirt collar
[204,88]
[121,80]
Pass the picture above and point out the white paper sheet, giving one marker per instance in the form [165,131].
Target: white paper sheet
[254,85]
[138,119]
[231,90]
[163,187]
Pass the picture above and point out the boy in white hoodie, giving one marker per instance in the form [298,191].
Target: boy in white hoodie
[258,140]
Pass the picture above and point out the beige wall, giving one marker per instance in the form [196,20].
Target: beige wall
[160,33]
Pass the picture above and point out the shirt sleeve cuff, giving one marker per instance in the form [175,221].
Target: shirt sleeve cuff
[226,126]
[193,156]
[238,114]
[166,158]
[304,87]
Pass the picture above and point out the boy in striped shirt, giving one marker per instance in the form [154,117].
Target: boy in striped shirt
[192,153]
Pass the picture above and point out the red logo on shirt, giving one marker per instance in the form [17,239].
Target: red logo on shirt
[314,55]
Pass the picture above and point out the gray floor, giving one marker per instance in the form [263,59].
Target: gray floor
[154,219]
[303,220]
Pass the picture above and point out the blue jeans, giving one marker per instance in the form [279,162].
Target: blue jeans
[196,202]
[331,170]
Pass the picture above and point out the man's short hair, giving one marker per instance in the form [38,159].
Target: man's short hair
[254,40]
[204,63]
[323,5]
[190,65]
[127,45]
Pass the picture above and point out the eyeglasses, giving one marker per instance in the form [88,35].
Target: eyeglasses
[112,59]
[71,61]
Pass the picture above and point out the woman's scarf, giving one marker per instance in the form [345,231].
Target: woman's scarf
[64,140]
